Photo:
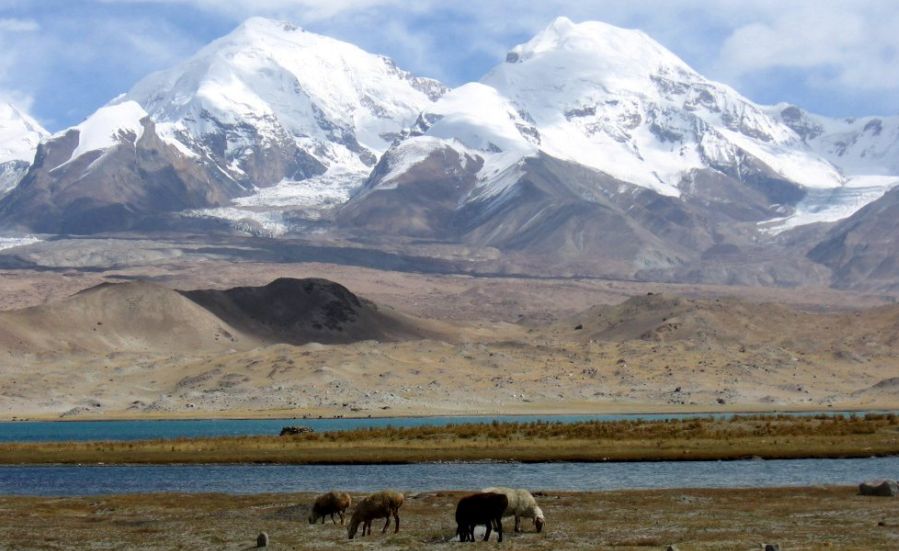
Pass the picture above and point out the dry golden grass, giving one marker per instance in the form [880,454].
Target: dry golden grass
[692,439]
[799,519]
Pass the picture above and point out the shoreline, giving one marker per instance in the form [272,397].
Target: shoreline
[582,441]
[424,413]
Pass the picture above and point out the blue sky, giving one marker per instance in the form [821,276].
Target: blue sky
[61,59]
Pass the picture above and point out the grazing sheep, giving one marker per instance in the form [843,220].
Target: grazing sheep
[521,504]
[328,504]
[383,504]
[485,508]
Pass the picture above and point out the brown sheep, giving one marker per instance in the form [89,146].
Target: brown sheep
[383,504]
[328,504]
[485,508]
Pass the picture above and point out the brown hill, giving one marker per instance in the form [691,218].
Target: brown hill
[298,311]
[732,322]
[144,317]
[125,317]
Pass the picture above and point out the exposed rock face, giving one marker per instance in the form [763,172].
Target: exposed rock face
[131,184]
[10,174]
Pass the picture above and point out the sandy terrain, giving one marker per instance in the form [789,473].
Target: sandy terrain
[496,345]
[808,519]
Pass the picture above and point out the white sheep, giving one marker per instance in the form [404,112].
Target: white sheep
[521,504]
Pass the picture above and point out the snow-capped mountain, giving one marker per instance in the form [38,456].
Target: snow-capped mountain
[866,146]
[590,149]
[267,105]
[19,137]
[615,100]
[593,142]
[271,101]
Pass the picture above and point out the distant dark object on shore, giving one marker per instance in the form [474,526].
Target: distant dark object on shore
[882,488]
[294,430]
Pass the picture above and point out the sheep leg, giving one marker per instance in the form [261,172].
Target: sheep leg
[386,524]
[499,528]
[366,526]
[340,514]
[332,519]
[396,519]
[487,533]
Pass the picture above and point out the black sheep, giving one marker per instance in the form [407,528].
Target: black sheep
[484,508]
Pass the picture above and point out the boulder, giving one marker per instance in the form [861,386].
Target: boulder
[290,431]
[262,540]
[882,488]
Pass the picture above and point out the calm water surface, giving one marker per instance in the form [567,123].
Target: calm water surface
[246,479]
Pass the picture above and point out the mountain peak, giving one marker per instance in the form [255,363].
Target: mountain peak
[266,25]
[269,85]
[613,47]
[19,134]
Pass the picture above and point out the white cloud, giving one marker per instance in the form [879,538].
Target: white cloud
[13,25]
[855,43]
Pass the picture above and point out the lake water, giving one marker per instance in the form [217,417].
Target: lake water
[46,431]
[245,479]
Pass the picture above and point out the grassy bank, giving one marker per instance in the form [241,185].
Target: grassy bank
[796,518]
[693,439]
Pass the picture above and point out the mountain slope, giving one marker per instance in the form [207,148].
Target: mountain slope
[19,138]
[863,250]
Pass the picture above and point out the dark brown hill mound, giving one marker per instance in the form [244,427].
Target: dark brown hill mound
[297,311]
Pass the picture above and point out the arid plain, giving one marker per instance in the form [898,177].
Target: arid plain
[437,344]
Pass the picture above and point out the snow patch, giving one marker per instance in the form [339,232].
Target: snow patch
[329,189]
[831,205]
[413,151]
[269,224]
[12,242]
[109,126]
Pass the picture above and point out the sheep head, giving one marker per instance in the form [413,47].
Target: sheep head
[351,529]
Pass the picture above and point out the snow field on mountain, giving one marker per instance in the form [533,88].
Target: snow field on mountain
[19,134]
[108,126]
